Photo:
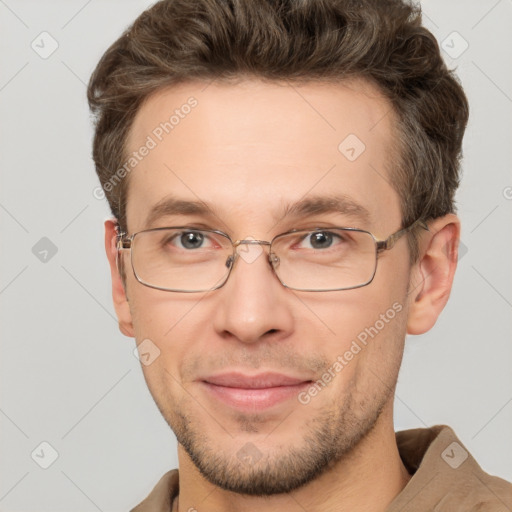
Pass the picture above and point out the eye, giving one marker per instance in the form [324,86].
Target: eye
[320,240]
[190,240]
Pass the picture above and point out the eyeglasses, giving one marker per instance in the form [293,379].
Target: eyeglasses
[186,259]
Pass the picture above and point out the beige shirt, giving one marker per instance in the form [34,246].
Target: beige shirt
[445,478]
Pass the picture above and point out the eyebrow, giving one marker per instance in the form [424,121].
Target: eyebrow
[312,205]
[171,205]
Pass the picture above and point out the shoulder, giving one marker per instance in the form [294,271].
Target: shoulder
[479,492]
[445,476]
[161,497]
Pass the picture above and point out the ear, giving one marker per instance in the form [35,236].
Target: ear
[432,275]
[121,304]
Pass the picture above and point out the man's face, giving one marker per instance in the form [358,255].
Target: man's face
[248,151]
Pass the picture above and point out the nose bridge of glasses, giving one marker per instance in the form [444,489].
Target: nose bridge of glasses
[238,244]
[250,241]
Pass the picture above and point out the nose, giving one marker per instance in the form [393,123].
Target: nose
[253,304]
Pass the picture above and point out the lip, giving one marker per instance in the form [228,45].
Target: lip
[258,381]
[253,392]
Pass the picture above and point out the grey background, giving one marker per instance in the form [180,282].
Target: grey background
[68,377]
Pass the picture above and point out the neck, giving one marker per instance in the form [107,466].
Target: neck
[365,480]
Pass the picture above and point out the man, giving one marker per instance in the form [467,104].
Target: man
[282,175]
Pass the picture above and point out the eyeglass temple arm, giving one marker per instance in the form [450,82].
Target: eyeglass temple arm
[384,245]
[121,241]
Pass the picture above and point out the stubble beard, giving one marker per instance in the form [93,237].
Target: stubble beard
[331,435]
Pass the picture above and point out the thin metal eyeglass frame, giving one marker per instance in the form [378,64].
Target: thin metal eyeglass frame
[125,243]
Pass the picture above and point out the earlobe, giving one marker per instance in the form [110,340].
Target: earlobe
[432,275]
[119,296]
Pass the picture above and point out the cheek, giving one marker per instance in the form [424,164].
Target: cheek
[364,332]
[163,329]
[348,314]
[170,327]
[160,314]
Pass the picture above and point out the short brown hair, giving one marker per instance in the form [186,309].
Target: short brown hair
[381,41]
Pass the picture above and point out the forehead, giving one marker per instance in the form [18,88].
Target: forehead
[254,146]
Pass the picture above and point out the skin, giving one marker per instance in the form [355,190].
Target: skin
[246,149]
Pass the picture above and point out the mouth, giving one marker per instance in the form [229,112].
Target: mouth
[253,393]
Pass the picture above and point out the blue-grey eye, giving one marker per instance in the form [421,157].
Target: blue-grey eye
[321,239]
[191,239]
